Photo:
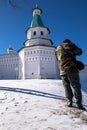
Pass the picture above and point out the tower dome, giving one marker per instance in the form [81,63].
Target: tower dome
[10,50]
[37,21]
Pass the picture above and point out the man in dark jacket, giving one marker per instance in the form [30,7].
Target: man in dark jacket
[69,72]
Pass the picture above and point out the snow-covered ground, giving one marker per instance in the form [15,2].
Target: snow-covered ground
[39,105]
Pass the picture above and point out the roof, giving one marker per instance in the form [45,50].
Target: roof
[12,54]
[37,21]
[35,45]
[37,8]
[40,38]
[10,48]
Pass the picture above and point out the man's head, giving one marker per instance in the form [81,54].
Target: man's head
[67,40]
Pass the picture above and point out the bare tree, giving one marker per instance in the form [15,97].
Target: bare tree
[15,3]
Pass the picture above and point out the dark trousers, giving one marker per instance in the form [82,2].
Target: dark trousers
[72,86]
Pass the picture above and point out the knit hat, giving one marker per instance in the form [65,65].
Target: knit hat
[67,40]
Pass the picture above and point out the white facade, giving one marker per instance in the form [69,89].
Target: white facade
[38,62]
[36,59]
[38,30]
[9,65]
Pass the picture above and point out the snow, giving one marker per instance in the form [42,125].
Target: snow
[39,104]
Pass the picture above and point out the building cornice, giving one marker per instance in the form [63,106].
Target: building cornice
[36,27]
[40,39]
[34,46]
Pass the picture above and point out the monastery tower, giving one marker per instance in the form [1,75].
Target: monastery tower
[36,59]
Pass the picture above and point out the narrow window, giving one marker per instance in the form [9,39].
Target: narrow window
[34,33]
[41,33]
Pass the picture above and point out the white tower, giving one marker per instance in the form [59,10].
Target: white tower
[37,57]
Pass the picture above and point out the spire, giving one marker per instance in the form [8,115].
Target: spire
[37,21]
[36,6]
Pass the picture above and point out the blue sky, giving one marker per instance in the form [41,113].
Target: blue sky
[65,19]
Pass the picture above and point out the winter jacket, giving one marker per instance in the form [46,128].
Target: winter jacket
[66,64]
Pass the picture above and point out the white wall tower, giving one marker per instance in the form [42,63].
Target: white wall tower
[37,57]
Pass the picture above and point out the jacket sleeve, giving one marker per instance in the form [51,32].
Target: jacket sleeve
[58,53]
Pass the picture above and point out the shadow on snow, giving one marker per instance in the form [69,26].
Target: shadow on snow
[32,92]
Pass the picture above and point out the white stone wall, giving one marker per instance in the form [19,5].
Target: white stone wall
[30,62]
[21,64]
[83,73]
[9,65]
[40,62]
[38,30]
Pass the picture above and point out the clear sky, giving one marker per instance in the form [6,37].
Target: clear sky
[64,18]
